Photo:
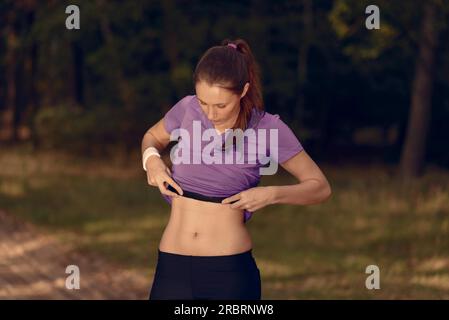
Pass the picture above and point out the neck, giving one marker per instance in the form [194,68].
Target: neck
[229,124]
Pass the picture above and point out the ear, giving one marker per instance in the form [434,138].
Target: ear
[245,89]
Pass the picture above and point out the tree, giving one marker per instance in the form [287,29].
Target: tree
[412,157]
[12,45]
[393,35]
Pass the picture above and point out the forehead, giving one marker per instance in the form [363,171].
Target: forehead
[212,94]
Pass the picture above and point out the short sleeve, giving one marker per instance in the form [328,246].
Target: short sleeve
[174,116]
[288,143]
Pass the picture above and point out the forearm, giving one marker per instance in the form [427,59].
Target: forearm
[149,140]
[305,193]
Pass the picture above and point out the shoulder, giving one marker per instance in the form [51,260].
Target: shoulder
[186,102]
[271,121]
[182,106]
[174,117]
[268,120]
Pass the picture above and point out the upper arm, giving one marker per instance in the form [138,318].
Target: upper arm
[292,156]
[304,168]
[287,144]
[172,120]
[160,134]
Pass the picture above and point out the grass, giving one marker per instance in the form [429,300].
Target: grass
[303,252]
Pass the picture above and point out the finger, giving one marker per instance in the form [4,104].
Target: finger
[174,185]
[168,192]
[170,189]
[164,190]
[152,182]
[168,171]
[238,205]
[232,198]
[253,208]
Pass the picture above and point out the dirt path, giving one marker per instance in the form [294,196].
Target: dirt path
[33,264]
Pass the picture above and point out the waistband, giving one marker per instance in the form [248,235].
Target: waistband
[231,256]
[199,196]
[174,262]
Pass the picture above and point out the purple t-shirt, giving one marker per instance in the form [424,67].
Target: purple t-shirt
[199,163]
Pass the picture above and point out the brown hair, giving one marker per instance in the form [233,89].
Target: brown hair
[231,68]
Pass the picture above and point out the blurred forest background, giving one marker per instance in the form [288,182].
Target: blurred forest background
[348,91]
[370,106]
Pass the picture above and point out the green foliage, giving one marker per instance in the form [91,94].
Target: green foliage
[347,17]
[77,130]
[139,56]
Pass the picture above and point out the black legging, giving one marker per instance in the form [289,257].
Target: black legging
[186,277]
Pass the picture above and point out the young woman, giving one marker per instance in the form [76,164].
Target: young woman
[206,250]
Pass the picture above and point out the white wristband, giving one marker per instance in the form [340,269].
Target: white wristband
[150,151]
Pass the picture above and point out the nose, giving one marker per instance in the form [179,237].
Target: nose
[210,113]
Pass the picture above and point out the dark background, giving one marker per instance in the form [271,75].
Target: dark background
[346,91]
[371,107]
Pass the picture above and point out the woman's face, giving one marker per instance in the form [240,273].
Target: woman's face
[219,104]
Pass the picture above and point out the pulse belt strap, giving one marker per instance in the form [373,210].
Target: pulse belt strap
[198,196]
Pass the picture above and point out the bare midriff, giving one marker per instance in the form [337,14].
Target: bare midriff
[203,228]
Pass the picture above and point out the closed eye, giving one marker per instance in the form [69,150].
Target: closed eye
[221,106]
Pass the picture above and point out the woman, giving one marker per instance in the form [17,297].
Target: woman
[206,250]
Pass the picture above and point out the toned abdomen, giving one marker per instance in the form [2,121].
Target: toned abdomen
[204,229]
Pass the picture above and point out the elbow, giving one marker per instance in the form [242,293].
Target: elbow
[326,192]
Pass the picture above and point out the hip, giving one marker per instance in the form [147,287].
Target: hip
[221,277]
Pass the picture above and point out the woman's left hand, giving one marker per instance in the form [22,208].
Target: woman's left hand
[251,199]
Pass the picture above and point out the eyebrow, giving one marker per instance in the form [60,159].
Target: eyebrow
[216,104]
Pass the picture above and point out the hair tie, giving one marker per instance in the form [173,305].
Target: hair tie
[232,45]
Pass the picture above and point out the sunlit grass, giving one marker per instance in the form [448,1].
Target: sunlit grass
[318,251]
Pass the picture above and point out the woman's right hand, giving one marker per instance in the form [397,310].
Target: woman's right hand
[159,175]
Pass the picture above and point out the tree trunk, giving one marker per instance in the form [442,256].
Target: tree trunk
[303,53]
[413,152]
[7,121]
[125,90]
[77,77]
[33,101]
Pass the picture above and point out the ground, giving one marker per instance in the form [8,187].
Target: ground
[33,264]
